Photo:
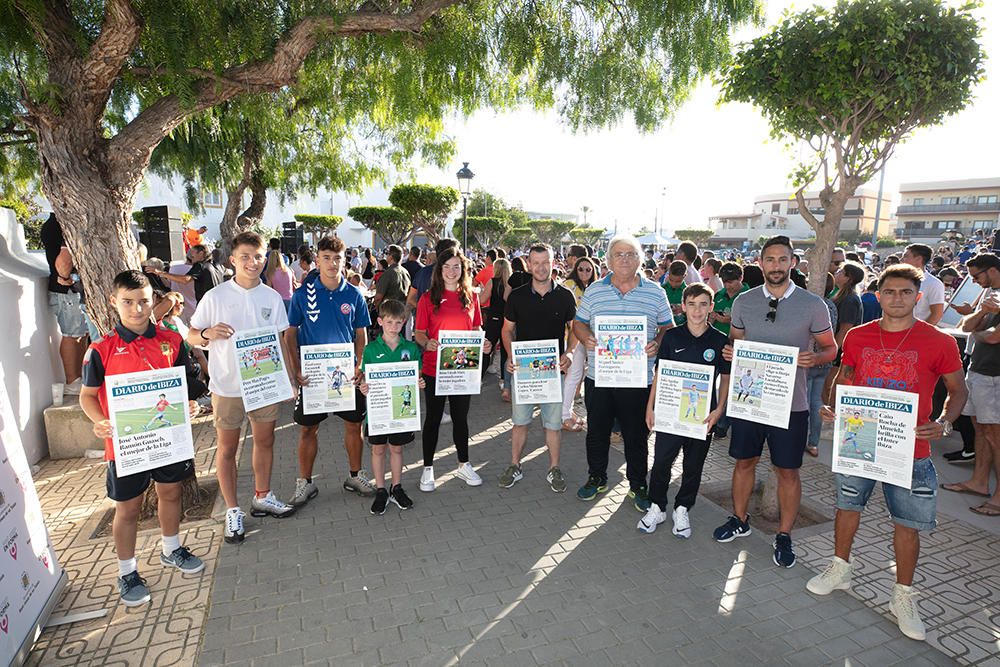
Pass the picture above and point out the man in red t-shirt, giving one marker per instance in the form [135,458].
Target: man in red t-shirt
[897,352]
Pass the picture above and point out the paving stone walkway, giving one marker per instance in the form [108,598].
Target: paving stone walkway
[508,577]
[523,576]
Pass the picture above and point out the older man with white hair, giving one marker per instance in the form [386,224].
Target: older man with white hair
[624,291]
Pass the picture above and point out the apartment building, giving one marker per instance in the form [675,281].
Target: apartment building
[929,210]
[779,214]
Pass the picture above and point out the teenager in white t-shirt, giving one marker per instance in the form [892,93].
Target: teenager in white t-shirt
[240,304]
[930,306]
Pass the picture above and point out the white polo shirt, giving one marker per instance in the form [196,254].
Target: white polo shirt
[242,309]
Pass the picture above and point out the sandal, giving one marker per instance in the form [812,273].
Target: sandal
[962,487]
[571,425]
[986,509]
[505,395]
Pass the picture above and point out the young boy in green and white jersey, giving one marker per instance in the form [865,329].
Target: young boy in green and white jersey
[390,347]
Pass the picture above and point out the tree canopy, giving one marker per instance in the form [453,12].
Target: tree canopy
[390,223]
[426,206]
[551,231]
[485,232]
[853,82]
[586,235]
[698,236]
[95,85]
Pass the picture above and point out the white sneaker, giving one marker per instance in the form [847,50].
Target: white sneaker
[682,524]
[427,479]
[904,608]
[73,388]
[467,472]
[836,577]
[653,518]
[445,418]
[269,505]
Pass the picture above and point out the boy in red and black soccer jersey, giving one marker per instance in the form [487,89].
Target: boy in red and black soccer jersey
[901,353]
[137,345]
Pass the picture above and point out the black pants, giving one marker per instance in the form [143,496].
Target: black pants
[628,405]
[666,449]
[432,422]
[963,424]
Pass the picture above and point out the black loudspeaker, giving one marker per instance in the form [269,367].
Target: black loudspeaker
[162,232]
[292,237]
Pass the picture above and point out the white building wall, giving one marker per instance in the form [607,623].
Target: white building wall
[30,354]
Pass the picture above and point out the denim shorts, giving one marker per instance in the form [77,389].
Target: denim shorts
[66,308]
[551,414]
[915,507]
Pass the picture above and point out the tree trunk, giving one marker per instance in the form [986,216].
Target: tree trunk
[827,231]
[93,203]
[230,226]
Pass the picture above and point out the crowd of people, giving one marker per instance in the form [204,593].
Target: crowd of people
[878,323]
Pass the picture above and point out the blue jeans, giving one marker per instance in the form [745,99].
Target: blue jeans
[915,507]
[814,388]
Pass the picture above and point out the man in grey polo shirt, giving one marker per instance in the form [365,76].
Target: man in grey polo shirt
[779,313]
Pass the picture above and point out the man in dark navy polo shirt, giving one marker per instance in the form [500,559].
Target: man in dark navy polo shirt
[328,310]
[694,342]
[539,310]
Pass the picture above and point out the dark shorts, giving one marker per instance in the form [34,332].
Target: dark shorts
[786,446]
[133,486]
[355,416]
[397,439]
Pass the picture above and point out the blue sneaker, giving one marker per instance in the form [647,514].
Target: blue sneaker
[783,554]
[732,529]
[133,591]
[595,485]
[640,498]
[183,560]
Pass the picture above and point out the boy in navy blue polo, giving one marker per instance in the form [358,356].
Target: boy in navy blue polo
[137,345]
[328,310]
[694,342]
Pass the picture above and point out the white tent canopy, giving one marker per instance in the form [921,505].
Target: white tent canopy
[657,240]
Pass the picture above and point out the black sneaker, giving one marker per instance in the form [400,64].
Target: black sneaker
[381,500]
[783,554]
[732,529]
[720,433]
[960,456]
[399,498]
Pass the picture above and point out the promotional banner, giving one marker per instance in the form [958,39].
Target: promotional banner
[762,382]
[31,580]
[683,398]
[459,362]
[263,377]
[393,397]
[873,434]
[620,356]
[329,369]
[150,420]
[536,371]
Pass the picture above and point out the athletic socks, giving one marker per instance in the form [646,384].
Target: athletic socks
[127,566]
[170,544]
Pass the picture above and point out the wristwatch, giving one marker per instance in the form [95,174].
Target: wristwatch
[946,424]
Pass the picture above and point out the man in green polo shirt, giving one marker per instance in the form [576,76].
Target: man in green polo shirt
[731,275]
[674,287]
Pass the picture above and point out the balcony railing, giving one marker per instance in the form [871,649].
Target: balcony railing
[948,208]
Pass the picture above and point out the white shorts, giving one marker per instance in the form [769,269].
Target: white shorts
[984,398]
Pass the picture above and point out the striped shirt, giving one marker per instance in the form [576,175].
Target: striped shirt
[603,299]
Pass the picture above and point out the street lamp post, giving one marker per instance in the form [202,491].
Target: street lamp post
[465,177]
